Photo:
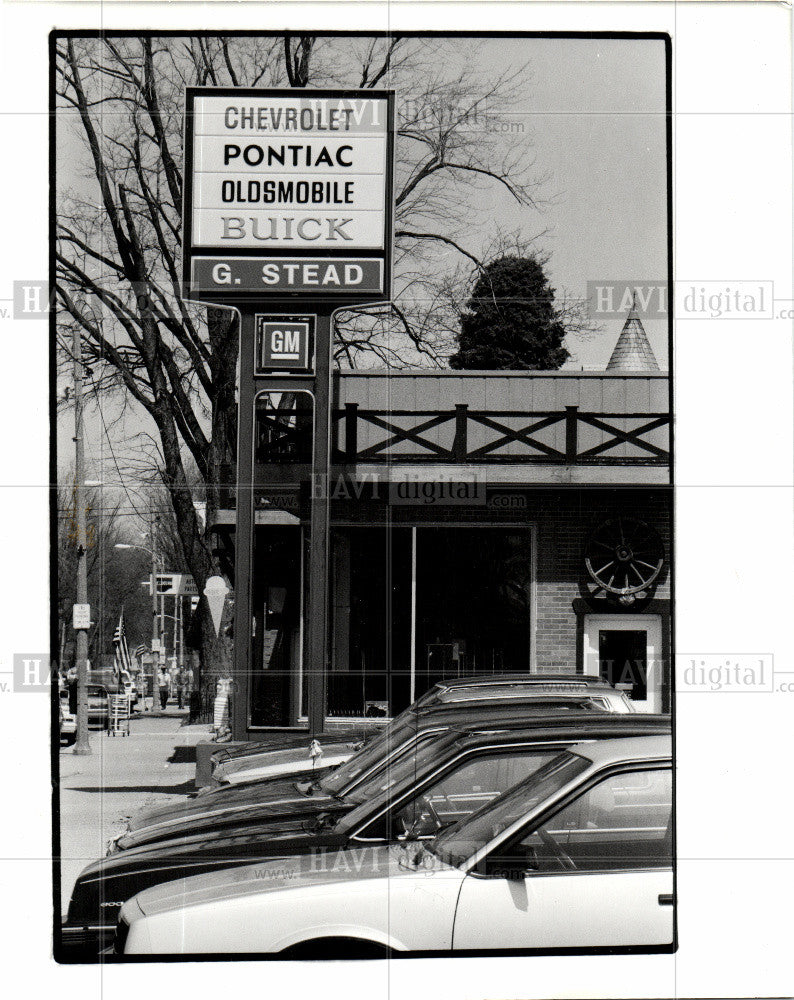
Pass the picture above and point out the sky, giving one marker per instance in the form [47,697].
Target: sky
[593,111]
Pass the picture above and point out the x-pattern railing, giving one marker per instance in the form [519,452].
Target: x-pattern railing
[411,427]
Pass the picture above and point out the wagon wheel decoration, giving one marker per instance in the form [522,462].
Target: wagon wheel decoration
[624,557]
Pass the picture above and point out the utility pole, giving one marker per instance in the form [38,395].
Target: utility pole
[180,623]
[82,745]
[155,614]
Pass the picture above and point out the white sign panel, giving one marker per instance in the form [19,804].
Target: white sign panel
[284,172]
[81,616]
[301,173]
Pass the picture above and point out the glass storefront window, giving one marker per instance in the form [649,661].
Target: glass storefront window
[462,594]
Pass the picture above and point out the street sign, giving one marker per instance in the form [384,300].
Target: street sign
[156,645]
[288,193]
[176,585]
[284,343]
[81,616]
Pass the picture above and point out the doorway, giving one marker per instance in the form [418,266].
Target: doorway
[626,651]
[474,602]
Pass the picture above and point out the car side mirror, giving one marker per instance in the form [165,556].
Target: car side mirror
[421,827]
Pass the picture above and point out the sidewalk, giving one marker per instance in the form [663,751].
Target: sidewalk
[123,775]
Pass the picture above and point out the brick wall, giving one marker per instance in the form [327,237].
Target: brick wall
[565,521]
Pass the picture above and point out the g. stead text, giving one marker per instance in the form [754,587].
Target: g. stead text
[274,227]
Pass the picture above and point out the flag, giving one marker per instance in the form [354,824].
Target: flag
[122,660]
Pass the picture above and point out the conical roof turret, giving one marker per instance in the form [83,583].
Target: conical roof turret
[633,351]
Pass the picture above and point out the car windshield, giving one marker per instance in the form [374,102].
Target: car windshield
[399,732]
[408,763]
[461,841]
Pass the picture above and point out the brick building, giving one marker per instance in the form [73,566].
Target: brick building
[481,522]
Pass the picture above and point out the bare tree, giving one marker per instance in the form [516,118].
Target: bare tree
[119,228]
[114,577]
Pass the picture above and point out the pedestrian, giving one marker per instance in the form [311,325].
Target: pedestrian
[181,682]
[163,682]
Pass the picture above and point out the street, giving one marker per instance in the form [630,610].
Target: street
[155,763]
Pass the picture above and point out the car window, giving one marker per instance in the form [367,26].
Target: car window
[620,824]
[460,842]
[464,789]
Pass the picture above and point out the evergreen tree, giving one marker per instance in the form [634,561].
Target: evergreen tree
[511,321]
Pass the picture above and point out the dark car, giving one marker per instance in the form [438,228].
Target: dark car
[232,803]
[451,774]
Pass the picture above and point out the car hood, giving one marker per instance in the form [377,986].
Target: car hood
[104,885]
[288,806]
[333,752]
[291,741]
[264,839]
[362,862]
[222,799]
[294,746]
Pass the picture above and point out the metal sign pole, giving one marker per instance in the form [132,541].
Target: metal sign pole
[316,657]
[244,530]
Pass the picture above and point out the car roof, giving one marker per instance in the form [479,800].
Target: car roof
[633,748]
[567,726]
[546,689]
[479,711]
[553,727]
[495,680]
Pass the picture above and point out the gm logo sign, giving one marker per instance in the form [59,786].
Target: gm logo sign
[284,343]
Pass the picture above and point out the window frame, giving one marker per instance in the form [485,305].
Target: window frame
[358,834]
[478,867]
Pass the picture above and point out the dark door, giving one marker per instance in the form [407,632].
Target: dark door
[473,602]
[623,659]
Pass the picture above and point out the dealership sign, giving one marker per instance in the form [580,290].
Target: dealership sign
[288,193]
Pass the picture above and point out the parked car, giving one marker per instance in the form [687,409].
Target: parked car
[577,855]
[286,761]
[228,803]
[98,709]
[452,775]
[67,720]
[263,760]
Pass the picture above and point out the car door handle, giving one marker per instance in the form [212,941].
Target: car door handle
[665,899]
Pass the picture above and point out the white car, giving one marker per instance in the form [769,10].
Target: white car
[66,718]
[288,761]
[578,855]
